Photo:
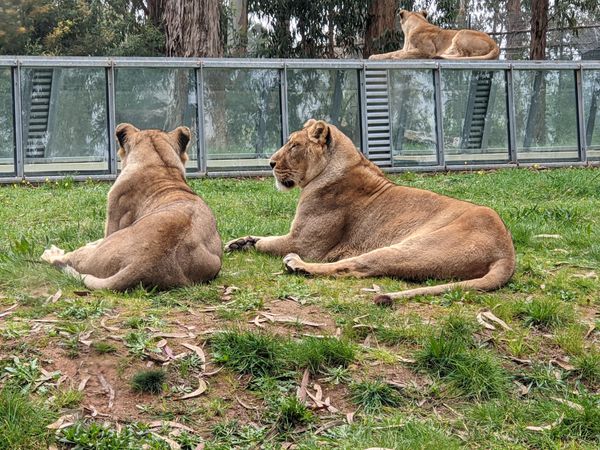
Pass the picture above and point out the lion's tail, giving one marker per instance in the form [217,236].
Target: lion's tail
[499,273]
[120,281]
[492,54]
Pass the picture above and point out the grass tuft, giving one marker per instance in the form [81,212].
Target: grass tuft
[289,413]
[22,422]
[546,312]
[373,395]
[588,366]
[256,354]
[149,381]
[319,353]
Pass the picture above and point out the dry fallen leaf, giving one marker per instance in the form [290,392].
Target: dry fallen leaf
[198,352]
[106,327]
[523,390]
[563,364]
[170,424]
[483,323]
[8,311]
[108,389]
[202,386]
[174,445]
[83,383]
[490,316]
[301,393]
[546,427]
[54,298]
[63,422]
[350,417]
[569,403]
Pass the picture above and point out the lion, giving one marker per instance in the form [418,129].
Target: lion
[422,40]
[352,221]
[158,232]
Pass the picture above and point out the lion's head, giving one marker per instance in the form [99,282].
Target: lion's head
[304,156]
[407,16]
[153,146]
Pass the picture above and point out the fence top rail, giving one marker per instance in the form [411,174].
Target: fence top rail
[254,63]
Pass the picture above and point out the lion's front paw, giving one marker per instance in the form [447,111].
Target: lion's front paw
[52,255]
[244,243]
[294,264]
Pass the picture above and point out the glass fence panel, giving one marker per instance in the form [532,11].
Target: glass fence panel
[324,94]
[159,98]
[7,135]
[591,105]
[242,117]
[546,115]
[412,117]
[64,115]
[474,116]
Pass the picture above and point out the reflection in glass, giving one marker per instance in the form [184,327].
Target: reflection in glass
[64,119]
[474,116]
[322,94]
[591,104]
[7,141]
[242,117]
[158,98]
[546,119]
[412,117]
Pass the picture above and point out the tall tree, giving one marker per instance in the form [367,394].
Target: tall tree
[380,20]
[539,27]
[514,25]
[193,28]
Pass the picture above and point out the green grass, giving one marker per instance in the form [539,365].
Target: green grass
[22,422]
[371,396]
[149,381]
[458,393]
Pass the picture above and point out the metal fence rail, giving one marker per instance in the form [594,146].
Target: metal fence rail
[57,115]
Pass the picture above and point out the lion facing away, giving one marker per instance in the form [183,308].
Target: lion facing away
[352,221]
[422,40]
[158,232]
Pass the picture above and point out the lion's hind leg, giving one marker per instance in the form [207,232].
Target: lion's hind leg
[374,263]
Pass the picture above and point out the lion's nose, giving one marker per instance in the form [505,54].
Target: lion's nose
[272,164]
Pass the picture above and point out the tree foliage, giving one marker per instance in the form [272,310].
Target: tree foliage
[281,28]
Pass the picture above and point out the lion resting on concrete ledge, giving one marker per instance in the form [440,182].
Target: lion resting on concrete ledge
[355,222]
[423,40]
[158,233]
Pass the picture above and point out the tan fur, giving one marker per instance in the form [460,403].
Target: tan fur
[423,40]
[158,232]
[352,221]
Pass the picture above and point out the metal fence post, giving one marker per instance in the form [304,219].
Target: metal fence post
[362,105]
[439,121]
[510,110]
[283,91]
[17,125]
[112,142]
[581,134]
[200,138]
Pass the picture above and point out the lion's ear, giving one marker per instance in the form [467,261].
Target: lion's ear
[423,13]
[402,13]
[182,136]
[309,123]
[124,132]
[319,132]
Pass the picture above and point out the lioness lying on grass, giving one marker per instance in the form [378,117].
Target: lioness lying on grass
[423,40]
[352,221]
[158,232]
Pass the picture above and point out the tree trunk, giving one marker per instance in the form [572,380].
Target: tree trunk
[155,11]
[461,16]
[380,18]
[240,24]
[514,22]
[193,28]
[539,26]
